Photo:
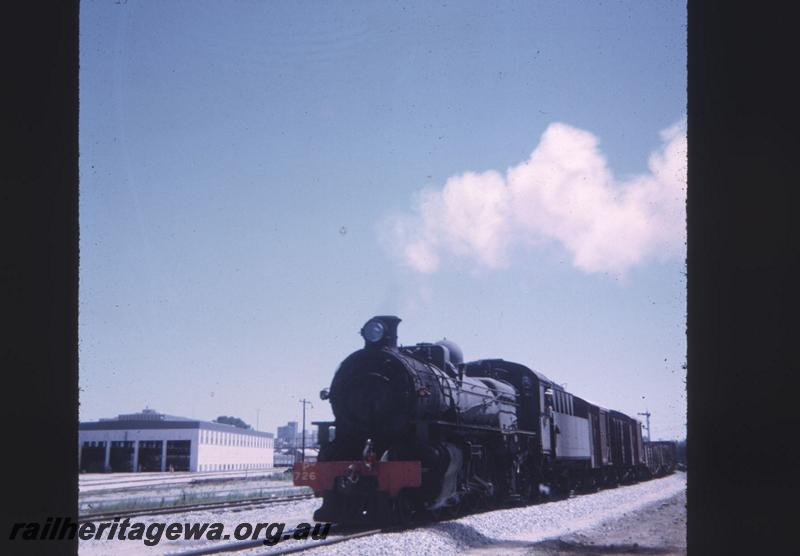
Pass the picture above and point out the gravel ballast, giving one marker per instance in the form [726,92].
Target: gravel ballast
[507,531]
[513,531]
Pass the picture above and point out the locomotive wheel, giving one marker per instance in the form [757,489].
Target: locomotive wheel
[406,509]
[453,512]
[526,489]
[479,502]
[561,487]
[537,483]
[470,503]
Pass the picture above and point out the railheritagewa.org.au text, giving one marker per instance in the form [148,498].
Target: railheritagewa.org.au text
[151,534]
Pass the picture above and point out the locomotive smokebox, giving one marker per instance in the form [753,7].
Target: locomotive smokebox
[380,331]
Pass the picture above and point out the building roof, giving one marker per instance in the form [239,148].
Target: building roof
[151,419]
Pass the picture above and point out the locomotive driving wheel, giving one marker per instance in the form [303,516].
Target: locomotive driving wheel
[406,508]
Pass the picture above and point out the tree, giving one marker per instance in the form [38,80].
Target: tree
[235,421]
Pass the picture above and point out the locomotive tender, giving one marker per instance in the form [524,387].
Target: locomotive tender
[418,431]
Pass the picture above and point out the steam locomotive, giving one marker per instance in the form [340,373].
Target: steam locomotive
[418,433]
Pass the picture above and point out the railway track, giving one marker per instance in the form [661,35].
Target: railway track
[291,546]
[175,478]
[255,502]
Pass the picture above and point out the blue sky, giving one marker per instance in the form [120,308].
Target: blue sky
[259,178]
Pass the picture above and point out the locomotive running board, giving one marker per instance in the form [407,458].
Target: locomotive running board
[392,475]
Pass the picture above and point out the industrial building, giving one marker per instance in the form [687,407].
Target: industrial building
[152,441]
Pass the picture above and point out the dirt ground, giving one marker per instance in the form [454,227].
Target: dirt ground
[656,529]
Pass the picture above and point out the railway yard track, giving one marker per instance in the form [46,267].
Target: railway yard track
[251,503]
[165,479]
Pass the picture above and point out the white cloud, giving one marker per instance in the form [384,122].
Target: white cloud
[563,193]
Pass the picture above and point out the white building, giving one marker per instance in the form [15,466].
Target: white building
[151,441]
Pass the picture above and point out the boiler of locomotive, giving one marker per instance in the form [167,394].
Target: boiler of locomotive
[379,391]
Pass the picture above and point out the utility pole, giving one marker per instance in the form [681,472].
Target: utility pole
[303,432]
[258,414]
[646,415]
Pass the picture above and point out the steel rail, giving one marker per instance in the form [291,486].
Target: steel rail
[106,516]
